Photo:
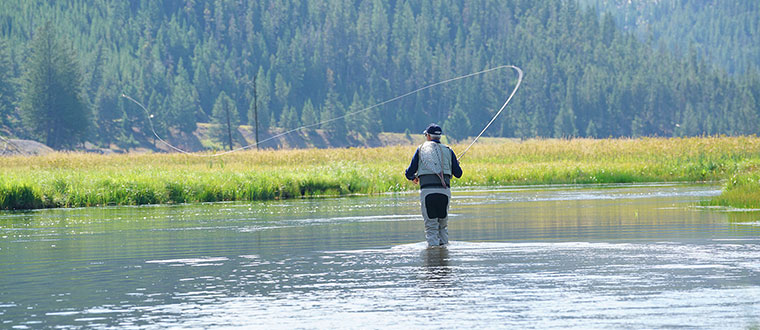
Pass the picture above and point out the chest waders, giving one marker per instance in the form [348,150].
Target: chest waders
[435,159]
[431,159]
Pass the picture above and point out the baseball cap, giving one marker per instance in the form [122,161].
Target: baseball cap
[433,129]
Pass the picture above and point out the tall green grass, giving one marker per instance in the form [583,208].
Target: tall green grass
[77,179]
[741,190]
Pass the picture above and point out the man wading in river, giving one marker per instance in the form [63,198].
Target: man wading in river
[432,166]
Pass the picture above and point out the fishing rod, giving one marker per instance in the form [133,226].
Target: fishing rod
[519,80]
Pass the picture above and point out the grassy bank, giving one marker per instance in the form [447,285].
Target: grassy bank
[740,190]
[72,180]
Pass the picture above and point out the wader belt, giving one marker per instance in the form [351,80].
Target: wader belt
[434,181]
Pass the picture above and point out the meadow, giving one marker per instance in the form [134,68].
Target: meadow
[79,179]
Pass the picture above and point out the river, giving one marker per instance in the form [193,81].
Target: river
[593,256]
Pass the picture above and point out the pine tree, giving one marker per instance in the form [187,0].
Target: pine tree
[371,121]
[108,113]
[281,90]
[564,123]
[591,130]
[262,102]
[308,114]
[223,119]
[184,102]
[289,118]
[690,122]
[52,105]
[7,88]
[357,123]
[457,126]
[331,110]
[126,138]
[749,120]
[637,126]
[202,81]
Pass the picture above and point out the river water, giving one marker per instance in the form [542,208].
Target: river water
[613,256]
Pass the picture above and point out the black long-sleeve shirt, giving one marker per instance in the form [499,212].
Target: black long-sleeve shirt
[456,170]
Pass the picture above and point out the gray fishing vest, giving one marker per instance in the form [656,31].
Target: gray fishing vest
[434,158]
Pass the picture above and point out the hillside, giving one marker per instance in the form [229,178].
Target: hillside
[244,137]
[293,63]
[721,32]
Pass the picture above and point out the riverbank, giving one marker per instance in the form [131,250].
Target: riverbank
[78,179]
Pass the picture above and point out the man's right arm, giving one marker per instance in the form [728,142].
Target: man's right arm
[411,171]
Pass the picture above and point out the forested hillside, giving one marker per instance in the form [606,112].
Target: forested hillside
[722,32]
[299,62]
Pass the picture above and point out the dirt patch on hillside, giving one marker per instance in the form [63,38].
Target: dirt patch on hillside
[16,147]
[243,136]
[279,138]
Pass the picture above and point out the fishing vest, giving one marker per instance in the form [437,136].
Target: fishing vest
[434,158]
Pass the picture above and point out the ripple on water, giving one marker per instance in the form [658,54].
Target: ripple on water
[195,262]
[649,261]
[520,284]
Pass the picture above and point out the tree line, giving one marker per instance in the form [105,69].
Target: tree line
[287,63]
[720,32]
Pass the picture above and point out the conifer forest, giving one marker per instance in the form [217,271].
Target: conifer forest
[593,68]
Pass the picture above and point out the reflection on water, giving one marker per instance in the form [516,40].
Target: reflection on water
[630,256]
[435,261]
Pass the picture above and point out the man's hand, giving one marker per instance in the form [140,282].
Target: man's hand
[416,180]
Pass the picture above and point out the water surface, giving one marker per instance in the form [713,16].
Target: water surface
[635,256]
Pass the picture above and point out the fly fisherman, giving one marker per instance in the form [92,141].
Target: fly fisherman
[432,166]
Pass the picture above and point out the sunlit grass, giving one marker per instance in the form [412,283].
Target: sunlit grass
[77,179]
[741,190]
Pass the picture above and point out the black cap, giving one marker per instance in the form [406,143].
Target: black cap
[433,129]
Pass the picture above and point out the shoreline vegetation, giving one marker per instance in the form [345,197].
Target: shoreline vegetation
[81,179]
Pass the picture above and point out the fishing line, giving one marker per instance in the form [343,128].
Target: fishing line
[519,80]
